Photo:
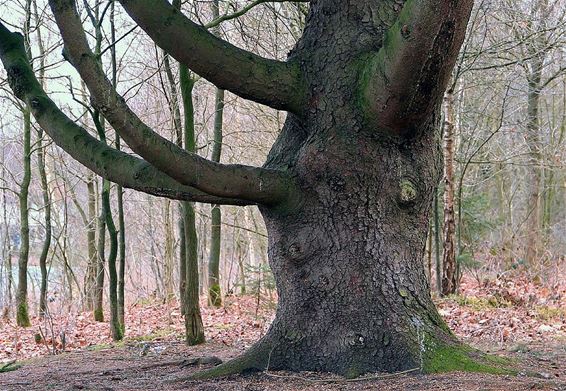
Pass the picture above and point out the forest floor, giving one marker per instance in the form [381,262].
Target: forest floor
[508,317]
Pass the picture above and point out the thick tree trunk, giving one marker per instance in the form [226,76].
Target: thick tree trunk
[346,250]
[347,258]
[364,306]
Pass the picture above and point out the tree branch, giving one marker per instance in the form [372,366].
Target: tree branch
[273,83]
[405,80]
[117,166]
[223,18]
[253,184]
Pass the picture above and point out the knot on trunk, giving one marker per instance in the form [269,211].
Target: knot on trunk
[407,192]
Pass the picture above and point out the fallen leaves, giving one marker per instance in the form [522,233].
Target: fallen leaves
[502,311]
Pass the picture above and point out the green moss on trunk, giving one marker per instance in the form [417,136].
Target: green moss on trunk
[22,317]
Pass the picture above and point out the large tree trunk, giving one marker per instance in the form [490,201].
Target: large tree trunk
[347,258]
[346,251]
[364,306]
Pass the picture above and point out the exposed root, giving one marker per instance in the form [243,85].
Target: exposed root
[255,359]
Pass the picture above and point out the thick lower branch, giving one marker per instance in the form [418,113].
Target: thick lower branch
[117,166]
[253,184]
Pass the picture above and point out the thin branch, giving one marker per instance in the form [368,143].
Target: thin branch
[223,18]
[270,82]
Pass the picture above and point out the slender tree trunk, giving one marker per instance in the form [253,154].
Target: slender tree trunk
[47,221]
[115,326]
[119,192]
[182,258]
[194,329]
[449,263]
[437,252]
[214,291]
[6,250]
[41,164]
[169,260]
[533,220]
[22,312]
[100,265]
[90,278]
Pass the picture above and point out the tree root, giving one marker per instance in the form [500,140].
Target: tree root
[255,359]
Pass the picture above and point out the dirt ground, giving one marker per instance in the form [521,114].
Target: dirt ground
[163,366]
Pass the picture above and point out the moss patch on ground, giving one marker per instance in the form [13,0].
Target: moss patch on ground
[447,358]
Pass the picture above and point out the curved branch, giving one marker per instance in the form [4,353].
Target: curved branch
[115,165]
[273,83]
[253,184]
[405,81]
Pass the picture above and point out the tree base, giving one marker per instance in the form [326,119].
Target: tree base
[436,358]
